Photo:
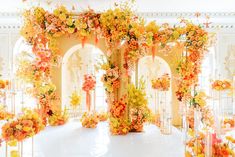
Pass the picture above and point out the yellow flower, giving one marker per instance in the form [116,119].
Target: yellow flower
[19,127]
[27,129]
[12,143]
[75,99]
[15,153]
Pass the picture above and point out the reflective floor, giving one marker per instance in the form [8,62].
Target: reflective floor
[71,140]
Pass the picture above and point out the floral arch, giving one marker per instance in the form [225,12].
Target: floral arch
[125,38]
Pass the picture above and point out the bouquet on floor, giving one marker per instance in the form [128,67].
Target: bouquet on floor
[58,118]
[103,116]
[119,126]
[27,125]
[89,120]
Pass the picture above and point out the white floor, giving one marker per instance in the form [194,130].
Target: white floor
[72,140]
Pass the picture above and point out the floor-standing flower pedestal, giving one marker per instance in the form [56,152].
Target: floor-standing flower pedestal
[165,116]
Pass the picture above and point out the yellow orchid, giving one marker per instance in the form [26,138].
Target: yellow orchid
[75,99]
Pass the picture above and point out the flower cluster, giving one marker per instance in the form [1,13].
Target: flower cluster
[111,77]
[3,84]
[89,83]
[138,117]
[137,95]
[228,123]
[89,120]
[162,83]
[118,122]
[220,85]
[119,126]
[137,102]
[103,116]
[4,115]
[115,24]
[118,108]
[58,118]
[27,125]
[199,99]
[197,145]
[75,99]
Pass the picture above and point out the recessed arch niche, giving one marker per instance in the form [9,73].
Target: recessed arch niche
[149,69]
[78,61]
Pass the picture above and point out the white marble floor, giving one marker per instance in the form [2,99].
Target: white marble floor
[72,140]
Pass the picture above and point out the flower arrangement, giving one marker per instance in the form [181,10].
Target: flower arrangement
[4,84]
[197,145]
[162,83]
[58,118]
[103,116]
[88,85]
[138,117]
[89,120]
[27,125]
[228,123]
[75,100]
[4,115]
[137,95]
[220,85]
[199,99]
[137,102]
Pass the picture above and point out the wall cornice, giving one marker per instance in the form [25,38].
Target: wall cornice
[10,20]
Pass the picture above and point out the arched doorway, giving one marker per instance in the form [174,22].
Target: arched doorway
[150,69]
[77,62]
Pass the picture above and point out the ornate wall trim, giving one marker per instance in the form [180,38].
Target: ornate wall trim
[11,20]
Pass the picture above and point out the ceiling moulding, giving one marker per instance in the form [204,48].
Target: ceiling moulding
[185,14]
[211,26]
[154,14]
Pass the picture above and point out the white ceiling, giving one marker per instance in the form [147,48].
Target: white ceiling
[141,5]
